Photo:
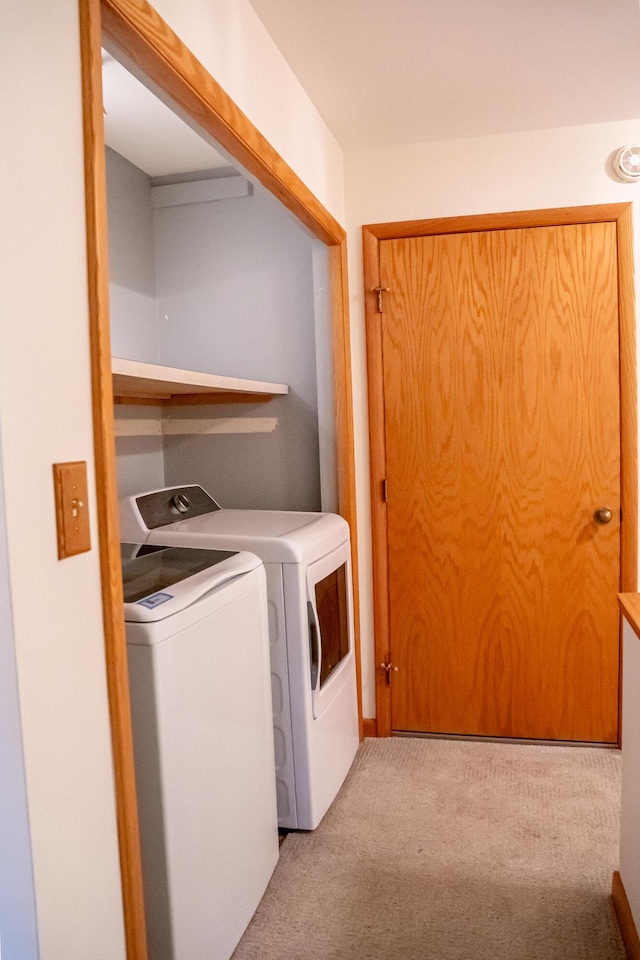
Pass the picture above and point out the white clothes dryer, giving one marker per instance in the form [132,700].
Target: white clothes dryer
[198,657]
[308,566]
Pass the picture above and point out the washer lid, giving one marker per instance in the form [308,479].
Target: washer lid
[276,536]
[159,580]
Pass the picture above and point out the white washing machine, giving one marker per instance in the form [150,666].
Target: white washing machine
[308,566]
[198,656]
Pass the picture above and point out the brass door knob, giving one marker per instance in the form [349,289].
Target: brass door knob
[603,515]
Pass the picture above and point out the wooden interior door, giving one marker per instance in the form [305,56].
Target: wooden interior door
[502,431]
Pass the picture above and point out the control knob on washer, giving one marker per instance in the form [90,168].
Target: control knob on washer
[181,502]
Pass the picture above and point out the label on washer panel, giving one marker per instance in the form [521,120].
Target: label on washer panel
[155,600]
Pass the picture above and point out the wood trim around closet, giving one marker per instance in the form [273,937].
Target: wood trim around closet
[139,31]
[135,28]
[624,917]
[372,234]
[106,487]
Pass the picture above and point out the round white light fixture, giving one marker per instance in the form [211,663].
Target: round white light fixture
[626,163]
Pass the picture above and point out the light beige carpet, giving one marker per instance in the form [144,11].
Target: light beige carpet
[444,850]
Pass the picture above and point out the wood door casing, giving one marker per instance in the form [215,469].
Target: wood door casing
[522,455]
[136,28]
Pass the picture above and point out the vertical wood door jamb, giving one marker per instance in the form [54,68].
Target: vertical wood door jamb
[106,488]
[377,458]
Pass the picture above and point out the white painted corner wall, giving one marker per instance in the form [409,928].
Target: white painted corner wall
[524,171]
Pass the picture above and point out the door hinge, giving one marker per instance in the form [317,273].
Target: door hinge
[385,491]
[379,291]
[389,667]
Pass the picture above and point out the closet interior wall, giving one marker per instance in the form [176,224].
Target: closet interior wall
[235,287]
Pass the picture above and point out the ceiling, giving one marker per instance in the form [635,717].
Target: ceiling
[384,72]
[139,127]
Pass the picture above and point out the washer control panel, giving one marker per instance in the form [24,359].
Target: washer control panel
[162,507]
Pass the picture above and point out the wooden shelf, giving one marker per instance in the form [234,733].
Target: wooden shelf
[147,383]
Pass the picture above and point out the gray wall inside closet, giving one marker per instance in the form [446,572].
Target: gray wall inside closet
[234,287]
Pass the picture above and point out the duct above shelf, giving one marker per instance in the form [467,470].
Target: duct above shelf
[147,383]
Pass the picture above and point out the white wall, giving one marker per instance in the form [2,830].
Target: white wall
[528,171]
[45,405]
[232,43]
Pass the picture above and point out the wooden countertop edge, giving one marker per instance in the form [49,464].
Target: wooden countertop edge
[630,606]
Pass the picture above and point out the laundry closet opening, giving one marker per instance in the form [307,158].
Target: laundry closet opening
[209,273]
[322,400]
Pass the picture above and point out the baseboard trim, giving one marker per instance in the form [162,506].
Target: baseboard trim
[369,727]
[625,918]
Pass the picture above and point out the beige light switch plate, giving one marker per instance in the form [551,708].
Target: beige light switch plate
[72,510]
